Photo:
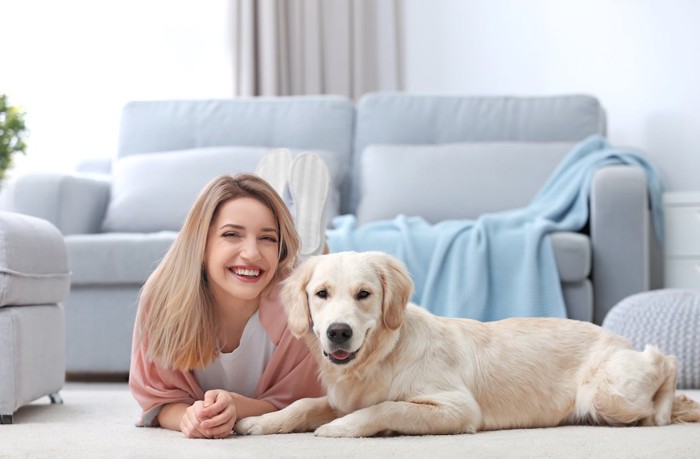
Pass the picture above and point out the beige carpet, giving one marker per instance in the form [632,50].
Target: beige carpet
[96,420]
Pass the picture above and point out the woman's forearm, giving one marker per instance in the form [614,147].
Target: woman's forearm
[251,407]
[171,415]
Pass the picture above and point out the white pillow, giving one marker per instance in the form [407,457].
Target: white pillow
[154,191]
[447,181]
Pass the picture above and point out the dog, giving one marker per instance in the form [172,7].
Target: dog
[391,367]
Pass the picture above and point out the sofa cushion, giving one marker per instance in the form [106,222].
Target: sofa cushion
[319,122]
[154,191]
[394,118]
[116,258]
[33,261]
[461,180]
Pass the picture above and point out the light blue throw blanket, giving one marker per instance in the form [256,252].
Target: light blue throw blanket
[499,265]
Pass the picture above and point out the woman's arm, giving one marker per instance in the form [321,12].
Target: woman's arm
[250,406]
[171,415]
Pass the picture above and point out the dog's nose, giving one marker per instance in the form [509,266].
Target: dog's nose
[339,333]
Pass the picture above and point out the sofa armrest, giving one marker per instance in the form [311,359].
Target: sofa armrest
[619,227]
[95,166]
[75,204]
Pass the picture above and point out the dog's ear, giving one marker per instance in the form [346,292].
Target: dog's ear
[397,289]
[294,298]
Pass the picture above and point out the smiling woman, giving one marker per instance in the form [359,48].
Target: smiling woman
[211,344]
[74,64]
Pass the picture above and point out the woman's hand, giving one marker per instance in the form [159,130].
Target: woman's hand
[216,415]
[213,417]
[190,424]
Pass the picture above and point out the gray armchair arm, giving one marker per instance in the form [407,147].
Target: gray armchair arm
[74,204]
[619,227]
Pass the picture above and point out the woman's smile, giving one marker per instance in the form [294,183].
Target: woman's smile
[247,274]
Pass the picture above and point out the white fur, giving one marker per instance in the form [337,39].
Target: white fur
[416,373]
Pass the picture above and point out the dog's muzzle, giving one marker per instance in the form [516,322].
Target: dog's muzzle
[339,334]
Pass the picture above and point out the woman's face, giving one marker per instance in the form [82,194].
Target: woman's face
[242,248]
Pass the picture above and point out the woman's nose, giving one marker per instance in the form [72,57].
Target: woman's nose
[250,249]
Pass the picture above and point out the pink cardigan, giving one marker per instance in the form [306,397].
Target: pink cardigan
[291,374]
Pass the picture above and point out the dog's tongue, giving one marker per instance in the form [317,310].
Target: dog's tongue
[340,355]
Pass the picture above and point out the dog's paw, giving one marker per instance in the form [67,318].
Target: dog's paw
[339,429]
[254,425]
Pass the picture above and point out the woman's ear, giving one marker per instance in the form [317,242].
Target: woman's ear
[295,300]
[397,288]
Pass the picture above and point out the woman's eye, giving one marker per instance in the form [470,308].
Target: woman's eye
[362,294]
[322,294]
[270,239]
[231,234]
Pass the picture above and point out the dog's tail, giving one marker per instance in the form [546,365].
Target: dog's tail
[684,410]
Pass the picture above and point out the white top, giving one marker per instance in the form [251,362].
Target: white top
[239,371]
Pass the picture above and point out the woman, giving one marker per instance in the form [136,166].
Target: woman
[211,343]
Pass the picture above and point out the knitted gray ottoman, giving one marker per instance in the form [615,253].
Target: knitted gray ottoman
[34,277]
[669,319]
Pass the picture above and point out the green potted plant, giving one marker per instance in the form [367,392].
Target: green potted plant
[12,134]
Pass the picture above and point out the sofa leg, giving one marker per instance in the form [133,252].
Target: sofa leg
[5,419]
[56,398]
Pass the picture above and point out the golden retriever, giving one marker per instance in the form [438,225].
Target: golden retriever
[393,367]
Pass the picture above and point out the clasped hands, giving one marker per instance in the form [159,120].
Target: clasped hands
[212,417]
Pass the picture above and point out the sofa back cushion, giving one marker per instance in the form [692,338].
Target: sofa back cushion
[154,191]
[168,150]
[403,119]
[463,180]
[298,122]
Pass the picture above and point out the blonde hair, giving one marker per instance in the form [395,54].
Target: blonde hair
[179,319]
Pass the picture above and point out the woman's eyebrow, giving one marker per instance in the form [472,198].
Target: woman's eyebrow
[241,227]
[232,225]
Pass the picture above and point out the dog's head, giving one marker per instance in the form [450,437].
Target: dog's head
[344,298]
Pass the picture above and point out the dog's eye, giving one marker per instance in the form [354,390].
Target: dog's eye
[322,294]
[362,294]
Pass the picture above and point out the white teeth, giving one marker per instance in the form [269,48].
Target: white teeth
[247,272]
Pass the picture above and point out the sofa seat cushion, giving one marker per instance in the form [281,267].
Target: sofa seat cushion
[128,258]
[33,261]
[116,258]
[154,191]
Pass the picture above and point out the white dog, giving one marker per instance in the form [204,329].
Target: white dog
[392,367]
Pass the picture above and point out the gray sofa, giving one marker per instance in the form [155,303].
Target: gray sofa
[120,216]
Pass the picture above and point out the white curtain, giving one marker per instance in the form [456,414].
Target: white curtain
[293,47]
